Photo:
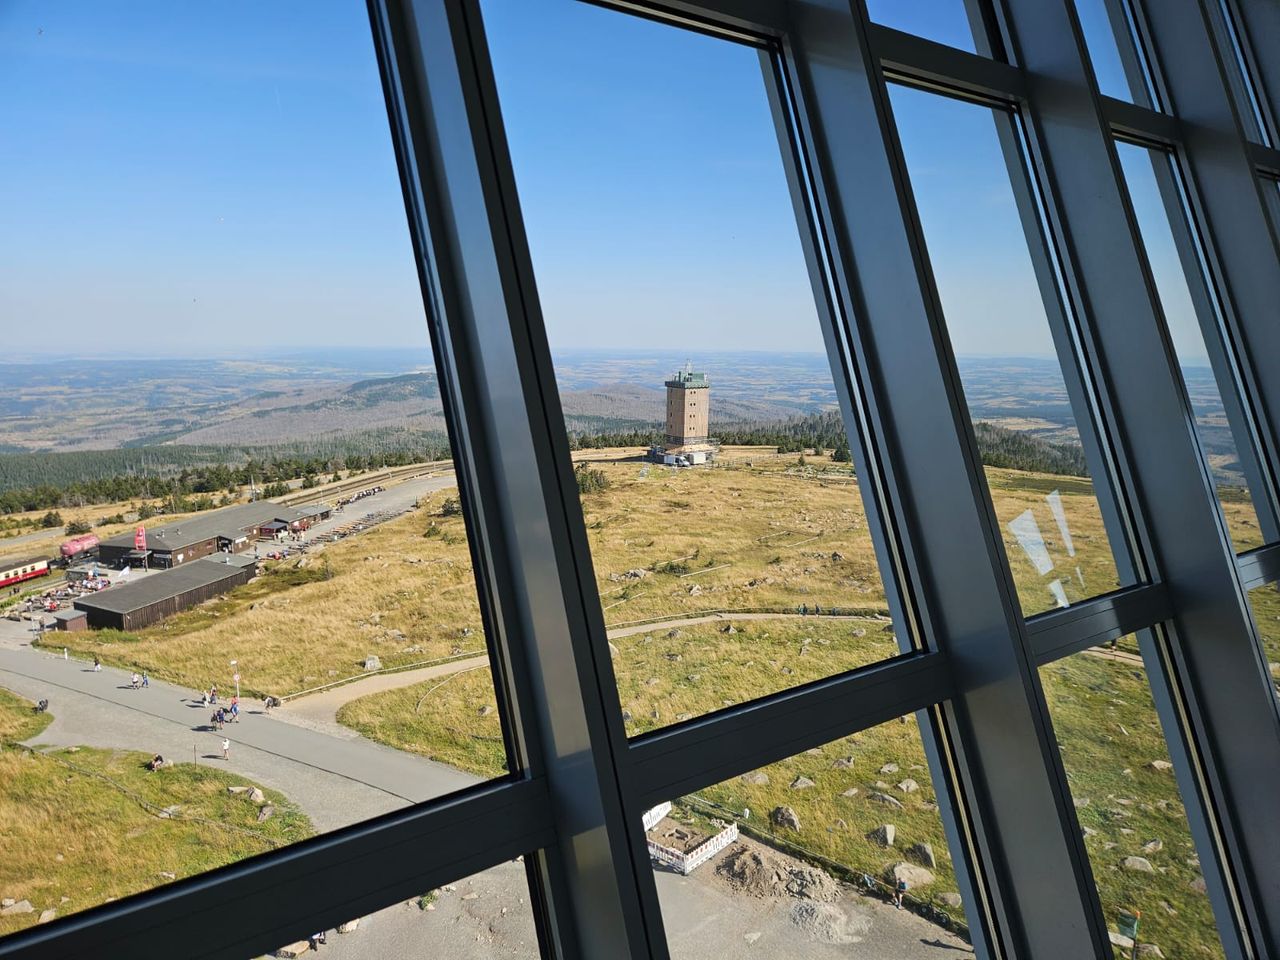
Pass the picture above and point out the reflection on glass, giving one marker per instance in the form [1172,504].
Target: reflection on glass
[729,543]
[1212,426]
[1104,52]
[1128,805]
[1022,418]
[945,21]
[811,856]
[1265,603]
[228,511]
[483,917]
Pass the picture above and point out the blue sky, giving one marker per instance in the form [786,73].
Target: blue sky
[179,176]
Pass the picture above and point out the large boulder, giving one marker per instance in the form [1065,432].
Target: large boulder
[372,662]
[1138,864]
[883,835]
[785,817]
[922,853]
[915,876]
[801,783]
[22,906]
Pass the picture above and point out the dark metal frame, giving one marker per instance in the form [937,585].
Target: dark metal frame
[969,661]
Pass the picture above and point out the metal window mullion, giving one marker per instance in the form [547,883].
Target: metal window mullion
[257,905]
[453,156]
[1258,26]
[1185,536]
[1226,209]
[1008,774]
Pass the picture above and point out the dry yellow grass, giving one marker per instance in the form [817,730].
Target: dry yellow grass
[393,592]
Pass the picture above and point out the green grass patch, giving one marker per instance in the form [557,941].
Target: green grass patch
[86,825]
[1109,734]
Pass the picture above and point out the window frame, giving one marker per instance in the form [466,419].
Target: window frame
[969,666]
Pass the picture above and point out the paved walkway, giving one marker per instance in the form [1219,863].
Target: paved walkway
[400,775]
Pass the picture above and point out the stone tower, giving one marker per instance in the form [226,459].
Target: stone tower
[688,414]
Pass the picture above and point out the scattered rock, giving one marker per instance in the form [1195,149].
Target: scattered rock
[908,786]
[802,783]
[756,778]
[371,662]
[169,812]
[7,902]
[694,590]
[851,792]
[257,796]
[728,628]
[1150,950]
[1167,907]
[1197,885]
[1153,846]
[21,906]
[167,875]
[915,876]
[785,817]
[1079,802]
[294,950]
[674,657]
[814,751]
[887,800]
[613,650]
[883,835]
[951,899]
[266,813]
[842,763]
[922,853]
[1138,864]
[626,716]
[484,711]
[1120,940]
[349,926]
[751,937]
[1160,765]
[47,915]
[889,768]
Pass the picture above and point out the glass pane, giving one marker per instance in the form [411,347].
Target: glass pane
[223,457]
[1104,52]
[1265,602]
[729,543]
[805,857]
[1026,430]
[482,917]
[1128,805]
[946,21]
[1184,326]
[1243,87]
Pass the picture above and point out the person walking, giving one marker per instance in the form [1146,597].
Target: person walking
[97,664]
[65,656]
[226,749]
[899,891]
[146,681]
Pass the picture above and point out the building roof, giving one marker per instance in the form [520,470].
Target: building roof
[688,380]
[15,564]
[137,594]
[229,523]
[68,614]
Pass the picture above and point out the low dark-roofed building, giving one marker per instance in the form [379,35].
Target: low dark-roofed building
[144,602]
[228,530]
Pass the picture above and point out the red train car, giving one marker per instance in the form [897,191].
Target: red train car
[11,573]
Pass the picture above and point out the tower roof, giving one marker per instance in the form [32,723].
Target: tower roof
[688,379]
